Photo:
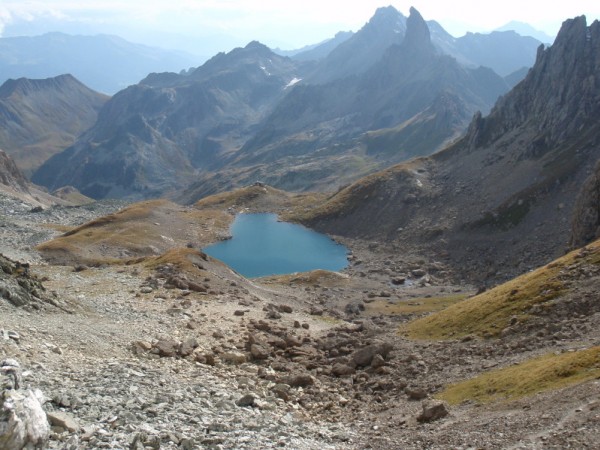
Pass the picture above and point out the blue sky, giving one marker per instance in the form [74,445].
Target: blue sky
[224,24]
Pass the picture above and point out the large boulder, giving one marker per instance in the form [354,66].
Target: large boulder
[23,422]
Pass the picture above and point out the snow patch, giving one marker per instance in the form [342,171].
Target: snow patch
[293,82]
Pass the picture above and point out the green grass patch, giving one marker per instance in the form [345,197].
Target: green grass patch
[545,373]
[489,313]
[412,306]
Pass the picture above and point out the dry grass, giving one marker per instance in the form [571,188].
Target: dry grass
[540,374]
[413,306]
[348,199]
[185,259]
[142,229]
[489,313]
[313,278]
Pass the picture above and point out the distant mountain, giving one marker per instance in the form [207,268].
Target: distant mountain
[105,63]
[501,199]
[152,137]
[503,51]
[385,94]
[418,96]
[323,49]
[358,53]
[39,118]
[316,51]
[524,29]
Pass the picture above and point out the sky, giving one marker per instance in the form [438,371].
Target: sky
[201,26]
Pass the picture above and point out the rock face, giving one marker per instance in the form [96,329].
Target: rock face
[19,288]
[39,118]
[498,201]
[23,423]
[586,214]
[10,175]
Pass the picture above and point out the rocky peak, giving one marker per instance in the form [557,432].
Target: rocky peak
[385,16]
[417,37]
[564,77]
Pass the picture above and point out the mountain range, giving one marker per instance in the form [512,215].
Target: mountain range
[385,93]
[501,199]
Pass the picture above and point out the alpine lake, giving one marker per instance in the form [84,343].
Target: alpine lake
[261,245]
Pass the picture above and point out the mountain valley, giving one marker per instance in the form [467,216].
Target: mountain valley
[468,315]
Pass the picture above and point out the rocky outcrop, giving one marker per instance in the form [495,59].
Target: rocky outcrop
[19,288]
[585,225]
[23,423]
[10,175]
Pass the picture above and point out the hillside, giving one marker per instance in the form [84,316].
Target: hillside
[39,118]
[500,200]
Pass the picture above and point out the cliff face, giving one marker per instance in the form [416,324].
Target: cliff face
[585,225]
[10,175]
[500,200]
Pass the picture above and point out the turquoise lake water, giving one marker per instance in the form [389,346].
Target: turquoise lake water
[263,246]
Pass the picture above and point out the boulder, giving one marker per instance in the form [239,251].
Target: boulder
[433,410]
[63,420]
[23,422]
[364,356]
[166,348]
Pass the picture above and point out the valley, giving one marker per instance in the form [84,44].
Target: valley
[137,334]
[467,198]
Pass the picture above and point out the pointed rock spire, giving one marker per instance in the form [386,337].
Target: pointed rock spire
[417,35]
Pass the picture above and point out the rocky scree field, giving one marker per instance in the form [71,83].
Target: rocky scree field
[137,339]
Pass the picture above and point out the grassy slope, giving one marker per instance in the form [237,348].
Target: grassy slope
[489,313]
[540,374]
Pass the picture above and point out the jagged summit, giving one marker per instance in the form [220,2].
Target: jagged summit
[386,16]
[417,37]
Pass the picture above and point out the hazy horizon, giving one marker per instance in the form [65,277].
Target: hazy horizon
[205,27]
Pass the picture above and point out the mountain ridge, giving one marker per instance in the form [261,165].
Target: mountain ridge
[514,173]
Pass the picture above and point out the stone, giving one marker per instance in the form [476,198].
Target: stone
[166,348]
[415,393]
[377,361]
[418,273]
[63,420]
[246,400]
[188,346]
[432,410]
[365,355]
[301,380]
[259,352]
[23,422]
[286,309]
[238,312]
[282,391]
[235,358]
[341,370]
